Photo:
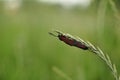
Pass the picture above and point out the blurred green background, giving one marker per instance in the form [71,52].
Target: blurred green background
[28,52]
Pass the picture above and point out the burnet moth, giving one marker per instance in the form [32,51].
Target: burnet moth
[68,39]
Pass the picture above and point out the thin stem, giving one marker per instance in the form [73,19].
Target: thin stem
[115,10]
[105,58]
[60,73]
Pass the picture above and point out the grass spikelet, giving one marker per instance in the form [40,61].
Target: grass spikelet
[106,59]
[90,47]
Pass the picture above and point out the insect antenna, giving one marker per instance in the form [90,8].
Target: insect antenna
[53,34]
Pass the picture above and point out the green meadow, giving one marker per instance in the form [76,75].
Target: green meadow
[28,52]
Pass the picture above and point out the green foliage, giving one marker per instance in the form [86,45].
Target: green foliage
[27,52]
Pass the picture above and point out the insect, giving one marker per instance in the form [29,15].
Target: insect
[68,39]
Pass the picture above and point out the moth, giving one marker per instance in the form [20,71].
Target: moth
[69,40]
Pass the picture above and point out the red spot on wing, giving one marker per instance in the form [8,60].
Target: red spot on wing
[62,38]
[82,46]
[72,42]
[66,40]
[69,41]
